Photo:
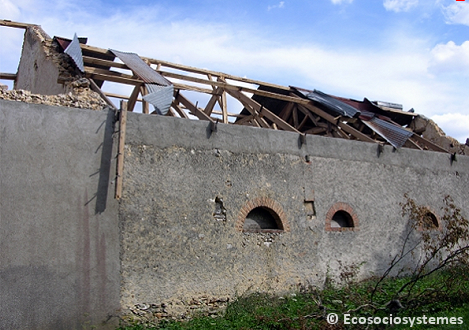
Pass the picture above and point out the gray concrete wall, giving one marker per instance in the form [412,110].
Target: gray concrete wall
[59,238]
[71,256]
[175,249]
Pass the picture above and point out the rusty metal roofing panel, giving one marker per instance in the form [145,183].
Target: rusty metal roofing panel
[64,42]
[395,135]
[74,51]
[160,97]
[141,69]
[332,104]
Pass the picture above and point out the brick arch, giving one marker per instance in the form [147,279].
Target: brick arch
[340,206]
[264,202]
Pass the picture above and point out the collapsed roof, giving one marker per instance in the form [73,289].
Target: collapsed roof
[176,90]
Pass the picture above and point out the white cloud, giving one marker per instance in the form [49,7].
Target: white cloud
[407,71]
[456,123]
[281,4]
[400,5]
[457,13]
[337,2]
[450,58]
[9,10]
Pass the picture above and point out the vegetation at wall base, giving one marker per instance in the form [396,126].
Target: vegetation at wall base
[448,297]
[438,287]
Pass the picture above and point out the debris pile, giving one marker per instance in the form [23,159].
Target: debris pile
[435,134]
[80,96]
[151,314]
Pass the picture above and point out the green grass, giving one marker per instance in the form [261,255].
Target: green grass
[444,294]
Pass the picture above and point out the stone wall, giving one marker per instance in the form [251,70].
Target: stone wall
[177,241]
[187,192]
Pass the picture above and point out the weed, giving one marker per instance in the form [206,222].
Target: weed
[438,286]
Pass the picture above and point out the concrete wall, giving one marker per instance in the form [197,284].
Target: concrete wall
[71,256]
[59,239]
[175,249]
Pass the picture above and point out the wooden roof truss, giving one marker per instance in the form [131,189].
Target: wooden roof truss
[206,95]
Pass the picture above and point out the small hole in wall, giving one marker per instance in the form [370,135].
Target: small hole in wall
[341,219]
[310,210]
[429,221]
[262,219]
[220,211]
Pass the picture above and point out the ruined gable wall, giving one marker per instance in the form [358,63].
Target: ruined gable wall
[37,71]
[174,248]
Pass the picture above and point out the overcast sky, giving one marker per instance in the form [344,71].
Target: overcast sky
[412,52]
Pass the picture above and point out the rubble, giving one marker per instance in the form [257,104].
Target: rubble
[150,314]
[80,97]
[436,135]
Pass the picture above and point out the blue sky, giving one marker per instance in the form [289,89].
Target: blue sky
[411,52]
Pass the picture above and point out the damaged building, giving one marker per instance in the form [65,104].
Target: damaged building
[196,186]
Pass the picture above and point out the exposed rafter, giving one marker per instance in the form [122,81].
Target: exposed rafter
[252,102]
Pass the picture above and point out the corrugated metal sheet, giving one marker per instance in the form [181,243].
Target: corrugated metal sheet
[141,69]
[160,97]
[332,104]
[74,51]
[160,89]
[395,135]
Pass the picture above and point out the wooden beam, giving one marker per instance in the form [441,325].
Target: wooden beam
[96,71]
[98,90]
[133,98]
[244,120]
[178,109]
[120,96]
[262,110]
[308,114]
[170,113]
[286,111]
[411,144]
[430,145]
[227,87]
[8,23]
[7,76]
[192,88]
[97,50]
[256,117]
[229,114]
[145,105]
[106,63]
[346,128]
[295,117]
[303,122]
[213,73]
[121,148]
[316,130]
[186,68]
[224,108]
[211,103]
[100,74]
[192,108]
